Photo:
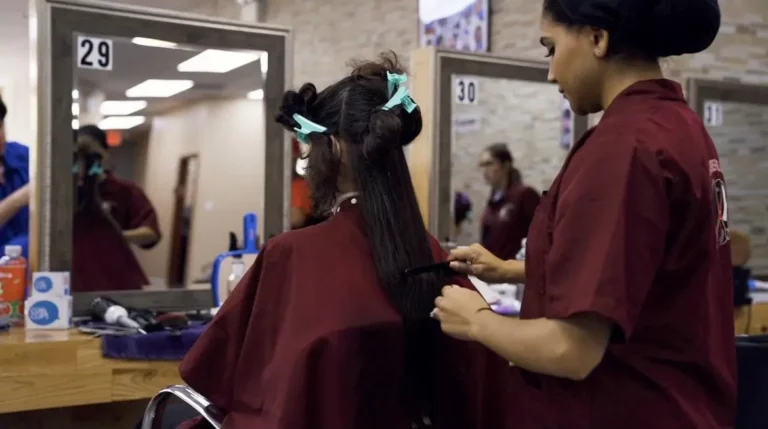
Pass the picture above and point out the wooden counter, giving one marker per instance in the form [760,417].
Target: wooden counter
[752,321]
[56,369]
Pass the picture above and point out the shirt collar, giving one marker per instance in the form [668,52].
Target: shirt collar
[657,89]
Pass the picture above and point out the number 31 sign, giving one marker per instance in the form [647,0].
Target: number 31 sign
[93,53]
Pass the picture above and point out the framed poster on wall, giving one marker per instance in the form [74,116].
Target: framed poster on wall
[461,25]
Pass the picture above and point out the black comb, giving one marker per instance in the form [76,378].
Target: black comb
[441,268]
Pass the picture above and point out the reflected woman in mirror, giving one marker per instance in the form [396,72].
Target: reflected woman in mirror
[511,204]
[111,214]
[325,331]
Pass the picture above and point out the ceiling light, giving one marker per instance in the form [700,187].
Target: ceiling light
[154,43]
[264,62]
[256,95]
[75,124]
[121,108]
[159,88]
[217,61]
[75,109]
[121,122]
[75,94]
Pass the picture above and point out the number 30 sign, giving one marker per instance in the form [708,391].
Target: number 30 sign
[465,89]
[93,53]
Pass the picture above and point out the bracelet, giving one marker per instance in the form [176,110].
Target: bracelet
[484,309]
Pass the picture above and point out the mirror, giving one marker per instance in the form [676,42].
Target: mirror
[736,115]
[470,102]
[740,132]
[506,134]
[154,142]
[159,158]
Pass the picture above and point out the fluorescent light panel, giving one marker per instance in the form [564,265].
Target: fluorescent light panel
[256,95]
[159,88]
[75,109]
[217,61]
[75,94]
[121,108]
[75,124]
[121,122]
[153,43]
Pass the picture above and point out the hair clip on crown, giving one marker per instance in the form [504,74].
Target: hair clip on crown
[307,127]
[401,96]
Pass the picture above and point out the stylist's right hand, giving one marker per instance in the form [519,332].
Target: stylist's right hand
[477,261]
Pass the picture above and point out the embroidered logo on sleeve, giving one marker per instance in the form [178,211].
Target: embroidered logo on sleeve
[720,202]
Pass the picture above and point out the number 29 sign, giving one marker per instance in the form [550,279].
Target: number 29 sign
[94,53]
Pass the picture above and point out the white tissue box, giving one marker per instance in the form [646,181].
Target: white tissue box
[48,312]
[50,284]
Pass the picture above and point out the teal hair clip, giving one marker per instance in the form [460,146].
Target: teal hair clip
[95,170]
[393,80]
[401,97]
[307,127]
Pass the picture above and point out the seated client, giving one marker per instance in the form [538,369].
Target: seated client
[325,331]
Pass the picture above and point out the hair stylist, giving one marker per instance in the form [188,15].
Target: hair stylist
[627,318]
[511,205]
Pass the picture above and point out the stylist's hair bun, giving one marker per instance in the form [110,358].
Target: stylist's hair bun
[649,28]
[678,27]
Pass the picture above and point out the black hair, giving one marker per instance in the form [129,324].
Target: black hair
[645,29]
[462,207]
[3,110]
[352,111]
[94,133]
[500,152]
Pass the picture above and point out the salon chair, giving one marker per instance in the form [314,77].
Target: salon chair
[160,415]
[752,365]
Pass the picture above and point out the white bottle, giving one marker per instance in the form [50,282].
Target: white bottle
[237,273]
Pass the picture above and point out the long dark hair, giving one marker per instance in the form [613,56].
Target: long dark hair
[352,111]
[500,152]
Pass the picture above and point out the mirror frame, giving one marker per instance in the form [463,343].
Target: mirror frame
[53,23]
[699,90]
[430,157]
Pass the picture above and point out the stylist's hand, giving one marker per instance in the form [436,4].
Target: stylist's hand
[476,260]
[456,309]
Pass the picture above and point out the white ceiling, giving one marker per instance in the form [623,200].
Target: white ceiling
[134,64]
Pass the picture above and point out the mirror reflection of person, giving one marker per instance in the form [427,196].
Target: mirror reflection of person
[301,201]
[111,215]
[325,325]
[462,212]
[511,205]
[627,313]
[14,190]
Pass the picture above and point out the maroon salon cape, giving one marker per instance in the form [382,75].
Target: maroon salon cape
[308,340]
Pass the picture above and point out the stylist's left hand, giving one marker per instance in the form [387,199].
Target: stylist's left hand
[456,309]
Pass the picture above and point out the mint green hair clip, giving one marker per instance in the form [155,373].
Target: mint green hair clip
[393,80]
[401,97]
[307,127]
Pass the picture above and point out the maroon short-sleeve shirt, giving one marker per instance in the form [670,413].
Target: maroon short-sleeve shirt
[507,218]
[634,229]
